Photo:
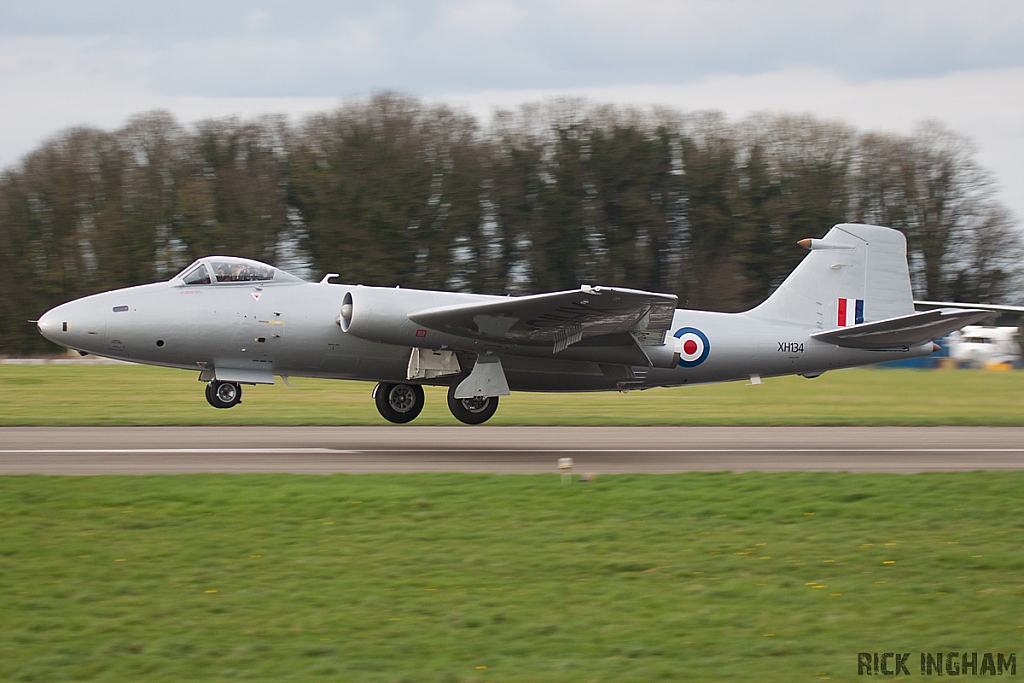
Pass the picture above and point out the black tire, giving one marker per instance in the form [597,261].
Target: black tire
[399,403]
[223,394]
[471,411]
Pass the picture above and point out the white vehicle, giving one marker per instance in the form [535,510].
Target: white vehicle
[977,346]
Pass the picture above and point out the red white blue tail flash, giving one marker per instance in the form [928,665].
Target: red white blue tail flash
[851,312]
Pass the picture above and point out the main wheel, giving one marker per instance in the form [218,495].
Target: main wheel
[223,394]
[399,403]
[472,411]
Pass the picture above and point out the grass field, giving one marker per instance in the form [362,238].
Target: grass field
[782,577]
[137,395]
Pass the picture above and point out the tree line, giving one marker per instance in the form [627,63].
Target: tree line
[392,191]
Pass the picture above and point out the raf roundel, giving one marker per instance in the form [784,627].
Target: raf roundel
[695,347]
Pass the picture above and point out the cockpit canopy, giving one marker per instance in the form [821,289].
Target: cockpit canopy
[231,269]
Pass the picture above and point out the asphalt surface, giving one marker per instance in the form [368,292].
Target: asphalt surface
[505,450]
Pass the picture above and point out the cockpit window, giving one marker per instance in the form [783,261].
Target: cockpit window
[230,269]
[241,271]
[197,276]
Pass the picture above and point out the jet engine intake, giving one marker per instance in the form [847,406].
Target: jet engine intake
[346,312]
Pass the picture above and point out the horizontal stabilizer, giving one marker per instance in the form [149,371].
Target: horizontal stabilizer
[995,308]
[558,319]
[902,332]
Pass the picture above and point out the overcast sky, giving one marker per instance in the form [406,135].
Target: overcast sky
[877,65]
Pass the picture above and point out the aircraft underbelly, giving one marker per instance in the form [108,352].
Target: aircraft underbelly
[366,361]
[534,374]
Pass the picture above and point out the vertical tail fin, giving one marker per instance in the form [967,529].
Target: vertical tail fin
[856,273]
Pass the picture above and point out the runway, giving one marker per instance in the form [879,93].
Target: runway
[505,450]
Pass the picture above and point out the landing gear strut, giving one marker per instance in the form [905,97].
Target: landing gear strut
[398,403]
[472,411]
[223,394]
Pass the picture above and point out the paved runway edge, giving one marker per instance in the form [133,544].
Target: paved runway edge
[505,450]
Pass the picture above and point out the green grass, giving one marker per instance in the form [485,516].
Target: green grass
[430,577]
[137,395]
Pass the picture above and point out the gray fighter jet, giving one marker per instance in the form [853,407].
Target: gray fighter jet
[236,321]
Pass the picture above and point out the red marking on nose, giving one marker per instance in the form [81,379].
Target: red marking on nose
[689,347]
[421,333]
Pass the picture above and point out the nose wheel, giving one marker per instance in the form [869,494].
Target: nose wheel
[472,411]
[223,394]
[398,403]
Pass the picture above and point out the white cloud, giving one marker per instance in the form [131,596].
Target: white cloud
[872,63]
[489,17]
[55,83]
[277,48]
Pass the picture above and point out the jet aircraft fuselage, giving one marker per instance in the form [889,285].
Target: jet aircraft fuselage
[243,322]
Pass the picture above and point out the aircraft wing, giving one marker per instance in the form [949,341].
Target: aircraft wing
[559,319]
[904,331]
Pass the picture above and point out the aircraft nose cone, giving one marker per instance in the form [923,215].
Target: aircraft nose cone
[76,325]
[49,325]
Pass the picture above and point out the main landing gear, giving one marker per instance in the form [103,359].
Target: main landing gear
[398,403]
[401,403]
[223,394]
[472,411]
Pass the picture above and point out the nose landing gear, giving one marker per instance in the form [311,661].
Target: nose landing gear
[398,403]
[223,394]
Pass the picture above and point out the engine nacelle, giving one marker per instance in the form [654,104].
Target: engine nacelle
[382,315]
